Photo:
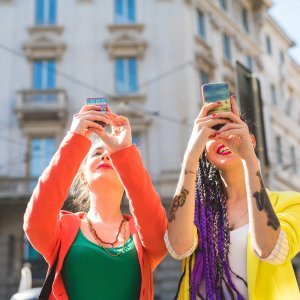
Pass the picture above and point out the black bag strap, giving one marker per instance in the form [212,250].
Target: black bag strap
[47,285]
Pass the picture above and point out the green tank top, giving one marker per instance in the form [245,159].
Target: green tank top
[90,273]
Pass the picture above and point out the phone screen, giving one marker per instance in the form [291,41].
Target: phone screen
[214,92]
[102,103]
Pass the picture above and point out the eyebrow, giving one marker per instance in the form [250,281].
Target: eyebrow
[97,150]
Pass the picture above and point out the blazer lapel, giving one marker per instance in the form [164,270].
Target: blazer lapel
[252,268]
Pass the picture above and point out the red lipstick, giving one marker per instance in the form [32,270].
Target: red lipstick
[223,150]
[104,166]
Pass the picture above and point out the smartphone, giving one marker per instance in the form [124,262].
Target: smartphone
[102,103]
[214,92]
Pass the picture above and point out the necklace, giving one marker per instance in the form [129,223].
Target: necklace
[95,235]
[236,221]
[99,241]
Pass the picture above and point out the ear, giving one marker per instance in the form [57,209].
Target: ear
[82,178]
[253,140]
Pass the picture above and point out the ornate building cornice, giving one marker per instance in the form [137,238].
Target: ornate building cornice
[126,45]
[43,47]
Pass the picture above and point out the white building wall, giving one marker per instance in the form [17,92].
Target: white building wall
[168,72]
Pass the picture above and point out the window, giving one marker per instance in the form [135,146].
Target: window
[293,159]
[125,11]
[204,77]
[41,152]
[223,3]
[227,47]
[278,149]
[44,74]
[245,19]
[282,58]
[288,107]
[273,94]
[11,254]
[29,253]
[249,62]
[268,45]
[136,139]
[126,75]
[201,24]
[45,12]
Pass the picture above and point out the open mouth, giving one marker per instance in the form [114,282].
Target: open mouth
[104,166]
[223,150]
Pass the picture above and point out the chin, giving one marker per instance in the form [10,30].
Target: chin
[105,178]
[228,163]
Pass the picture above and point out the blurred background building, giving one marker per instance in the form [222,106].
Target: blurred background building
[150,58]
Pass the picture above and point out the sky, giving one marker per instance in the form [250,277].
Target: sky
[287,15]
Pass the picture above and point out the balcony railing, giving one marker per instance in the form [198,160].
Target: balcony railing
[16,187]
[41,105]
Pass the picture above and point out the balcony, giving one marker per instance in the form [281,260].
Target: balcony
[16,188]
[41,105]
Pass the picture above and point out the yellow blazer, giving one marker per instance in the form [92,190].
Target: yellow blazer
[267,281]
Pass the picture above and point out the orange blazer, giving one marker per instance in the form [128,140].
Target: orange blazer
[47,226]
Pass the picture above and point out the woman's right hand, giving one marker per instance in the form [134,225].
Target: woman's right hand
[84,121]
[202,131]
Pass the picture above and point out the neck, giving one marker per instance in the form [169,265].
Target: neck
[105,207]
[234,182]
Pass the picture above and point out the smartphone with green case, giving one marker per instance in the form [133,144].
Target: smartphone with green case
[214,92]
[217,92]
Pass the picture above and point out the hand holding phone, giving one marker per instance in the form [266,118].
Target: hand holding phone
[102,103]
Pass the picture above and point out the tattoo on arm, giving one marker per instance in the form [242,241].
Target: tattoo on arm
[178,201]
[186,172]
[263,204]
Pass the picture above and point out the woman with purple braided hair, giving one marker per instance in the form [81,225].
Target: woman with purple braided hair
[235,237]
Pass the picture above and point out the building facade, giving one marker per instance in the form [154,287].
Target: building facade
[150,58]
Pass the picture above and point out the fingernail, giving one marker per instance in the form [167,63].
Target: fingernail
[213,115]
[219,102]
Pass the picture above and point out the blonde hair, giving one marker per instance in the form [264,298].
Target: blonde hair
[79,188]
[79,191]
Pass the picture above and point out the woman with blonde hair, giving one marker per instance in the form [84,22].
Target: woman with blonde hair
[102,254]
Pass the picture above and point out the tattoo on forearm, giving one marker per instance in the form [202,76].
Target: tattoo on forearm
[178,201]
[186,172]
[263,204]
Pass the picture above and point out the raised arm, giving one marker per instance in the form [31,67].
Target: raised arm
[42,213]
[263,222]
[181,229]
[145,203]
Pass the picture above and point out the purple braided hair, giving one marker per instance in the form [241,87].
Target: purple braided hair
[211,219]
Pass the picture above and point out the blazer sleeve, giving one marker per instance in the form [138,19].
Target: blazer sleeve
[41,219]
[289,218]
[144,202]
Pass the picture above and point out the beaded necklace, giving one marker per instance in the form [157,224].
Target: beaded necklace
[101,243]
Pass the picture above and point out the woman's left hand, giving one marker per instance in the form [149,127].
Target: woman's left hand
[235,135]
[120,135]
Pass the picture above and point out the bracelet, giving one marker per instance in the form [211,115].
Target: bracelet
[186,171]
